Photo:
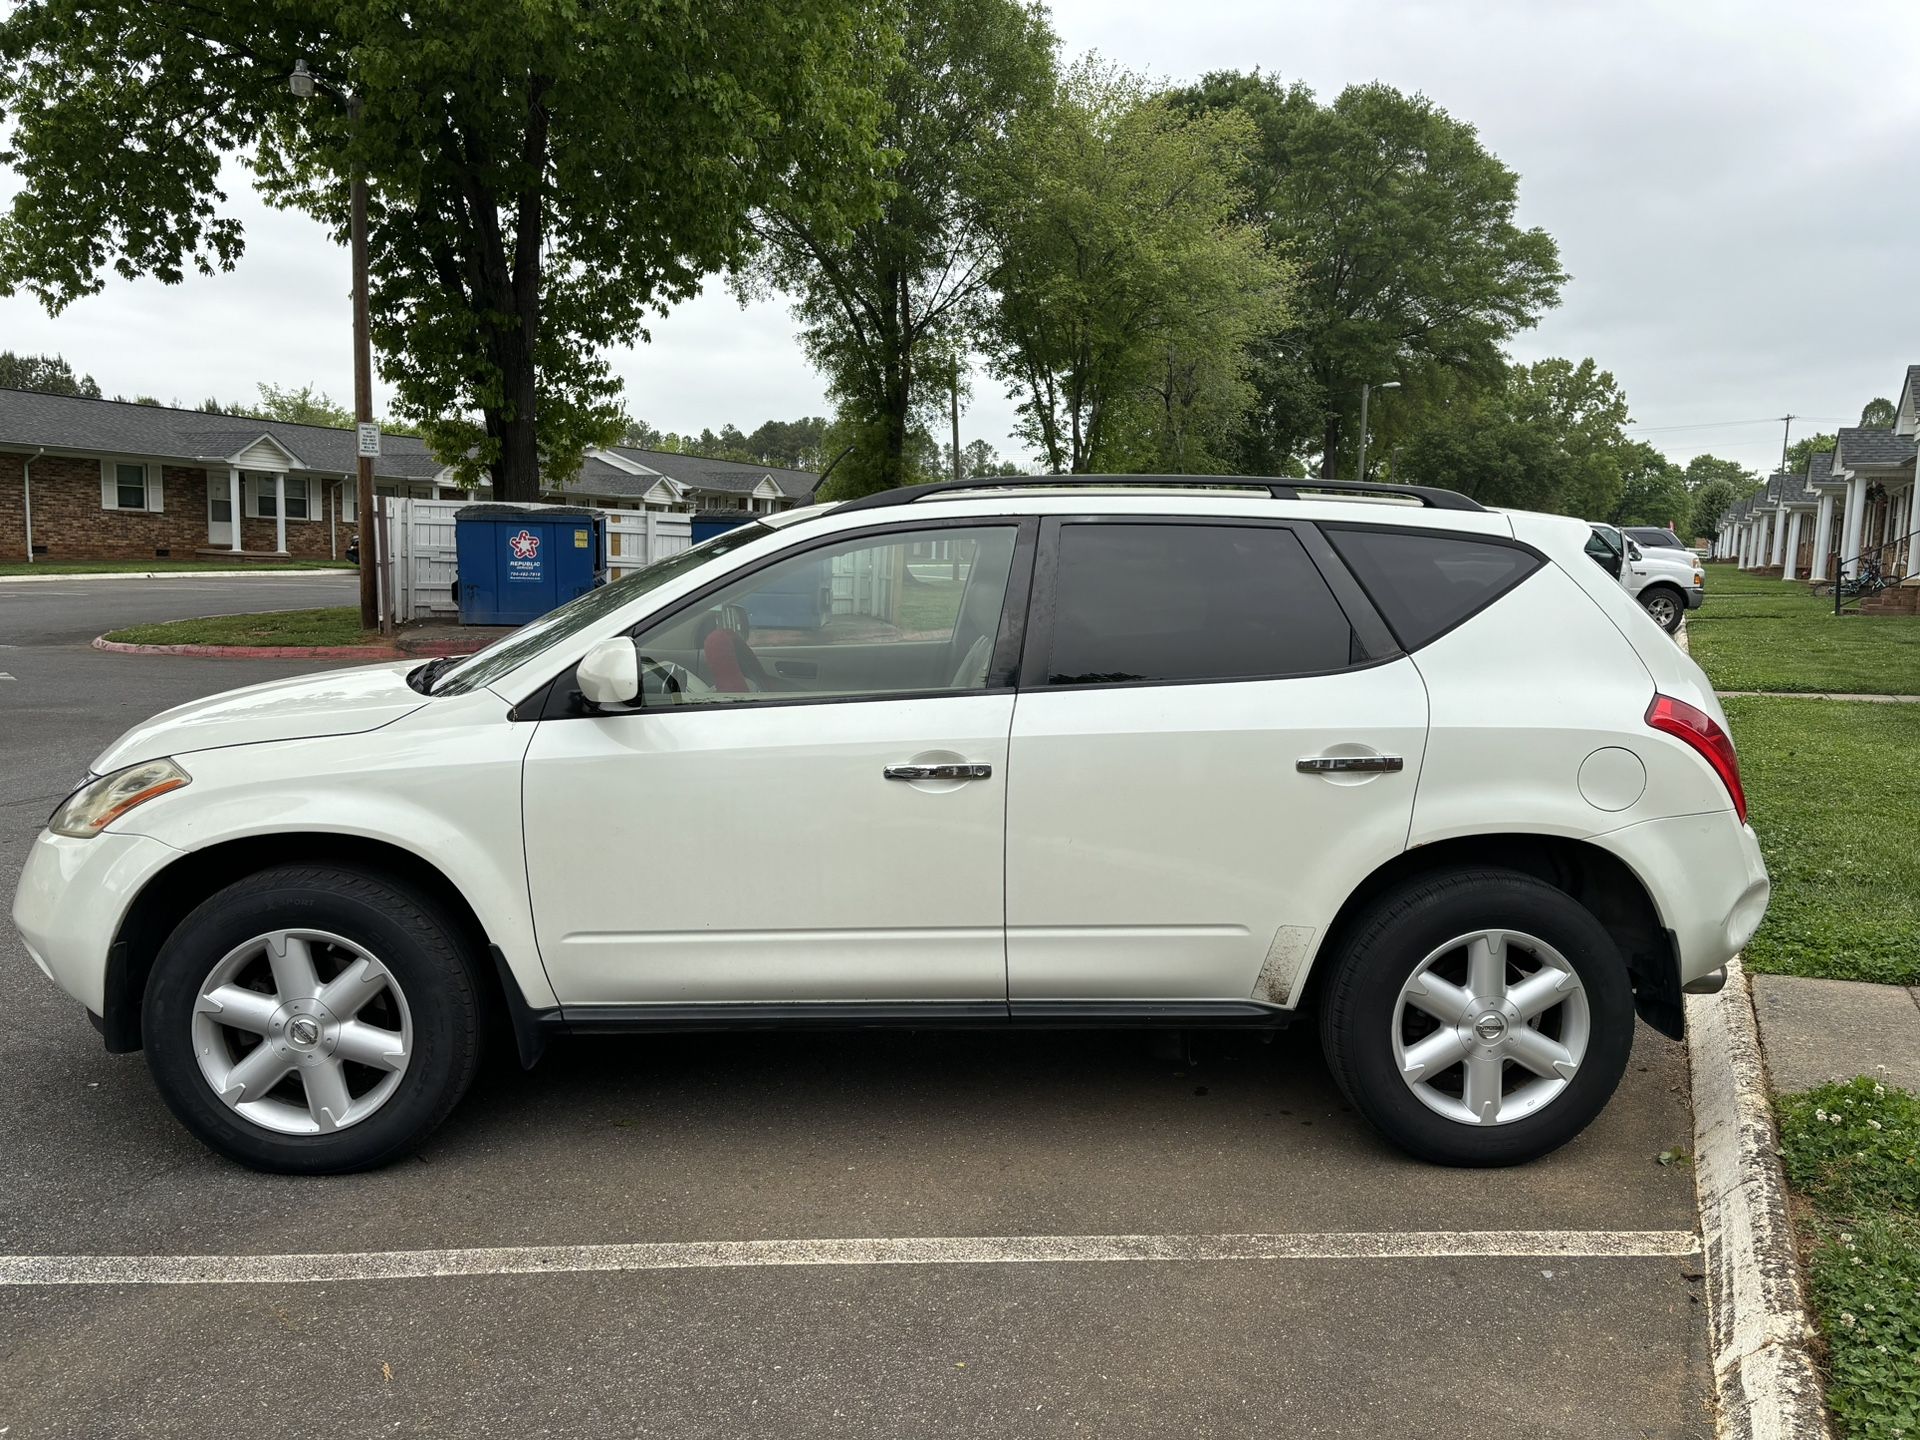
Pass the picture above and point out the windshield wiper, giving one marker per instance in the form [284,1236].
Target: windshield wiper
[422,678]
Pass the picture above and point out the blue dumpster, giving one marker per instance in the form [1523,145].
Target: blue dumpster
[709,523]
[516,562]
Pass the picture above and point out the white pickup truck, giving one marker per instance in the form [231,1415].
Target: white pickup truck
[1667,583]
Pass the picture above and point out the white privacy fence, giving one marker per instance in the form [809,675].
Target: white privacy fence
[421,568]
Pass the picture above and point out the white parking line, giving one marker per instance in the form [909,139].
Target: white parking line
[928,1250]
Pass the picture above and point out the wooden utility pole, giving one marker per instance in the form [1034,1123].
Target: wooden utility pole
[370,615]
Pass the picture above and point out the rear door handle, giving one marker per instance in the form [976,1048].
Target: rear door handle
[1347,764]
[938,772]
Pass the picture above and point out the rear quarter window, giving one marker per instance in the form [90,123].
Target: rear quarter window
[1424,583]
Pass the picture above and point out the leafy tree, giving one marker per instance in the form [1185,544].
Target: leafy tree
[1401,225]
[1128,294]
[884,303]
[1711,501]
[978,460]
[1547,436]
[794,444]
[1653,490]
[1879,414]
[1801,451]
[641,435]
[541,176]
[1702,468]
[49,374]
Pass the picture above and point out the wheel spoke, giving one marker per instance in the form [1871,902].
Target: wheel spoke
[370,1045]
[243,1009]
[1483,1088]
[256,1073]
[291,960]
[1487,966]
[349,991]
[1442,999]
[328,1098]
[1432,1055]
[1541,1054]
[1541,991]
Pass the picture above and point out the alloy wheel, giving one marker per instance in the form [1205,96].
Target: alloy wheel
[302,1032]
[1664,611]
[1491,1027]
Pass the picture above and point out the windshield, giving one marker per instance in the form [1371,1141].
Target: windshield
[512,651]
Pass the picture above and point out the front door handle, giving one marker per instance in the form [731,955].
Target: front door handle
[938,772]
[1348,764]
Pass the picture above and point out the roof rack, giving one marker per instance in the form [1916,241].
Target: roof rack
[1278,487]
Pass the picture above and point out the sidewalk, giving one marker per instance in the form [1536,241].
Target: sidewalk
[1816,1031]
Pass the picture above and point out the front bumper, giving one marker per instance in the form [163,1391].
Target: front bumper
[1696,596]
[72,896]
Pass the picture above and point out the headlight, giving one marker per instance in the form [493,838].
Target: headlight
[98,803]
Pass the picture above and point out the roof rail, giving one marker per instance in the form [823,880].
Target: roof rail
[1278,487]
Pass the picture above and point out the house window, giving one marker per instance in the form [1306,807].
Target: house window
[266,501]
[130,487]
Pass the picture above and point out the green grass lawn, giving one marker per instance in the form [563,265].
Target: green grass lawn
[142,567]
[1833,787]
[339,625]
[1756,634]
[1852,1153]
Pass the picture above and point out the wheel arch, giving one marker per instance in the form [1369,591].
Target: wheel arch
[1598,879]
[172,893]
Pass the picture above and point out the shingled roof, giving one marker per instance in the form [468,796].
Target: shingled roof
[194,437]
[1860,445]
[29,419]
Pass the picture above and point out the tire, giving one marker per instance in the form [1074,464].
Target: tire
[1667,606]
[391,1047]
[1370,1022]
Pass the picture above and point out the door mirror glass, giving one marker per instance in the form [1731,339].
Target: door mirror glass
[609,673]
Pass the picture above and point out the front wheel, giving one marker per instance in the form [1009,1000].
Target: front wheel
[1478,1017]
[312,1020]
[1665,606]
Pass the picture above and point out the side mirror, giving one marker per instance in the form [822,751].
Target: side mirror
[1633,550]
[609,673]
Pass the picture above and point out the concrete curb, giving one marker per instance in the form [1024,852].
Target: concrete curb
[165,575]
[256,652]
[418,651]
[1765,1382]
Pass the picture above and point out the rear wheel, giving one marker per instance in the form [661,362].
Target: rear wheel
[1478,1017]
[1665,604]
[312,1020]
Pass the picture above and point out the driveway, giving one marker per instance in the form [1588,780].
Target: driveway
[1244,1257]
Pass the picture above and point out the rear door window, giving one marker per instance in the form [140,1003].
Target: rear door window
[1425,583]
[1170,602]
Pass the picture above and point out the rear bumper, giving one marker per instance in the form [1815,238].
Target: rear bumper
[1707,880]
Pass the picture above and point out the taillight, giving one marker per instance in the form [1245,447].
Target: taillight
[1699,729]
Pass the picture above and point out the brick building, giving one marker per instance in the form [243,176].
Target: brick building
[107,480]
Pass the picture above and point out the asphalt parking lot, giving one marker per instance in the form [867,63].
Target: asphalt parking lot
[1588,1324]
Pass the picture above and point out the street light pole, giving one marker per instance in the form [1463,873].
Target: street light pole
[303,82]
[1364,389]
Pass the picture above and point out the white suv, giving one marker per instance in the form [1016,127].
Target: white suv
[1667,582]
[1131,753]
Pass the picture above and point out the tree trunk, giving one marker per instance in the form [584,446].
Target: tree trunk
[1330,443]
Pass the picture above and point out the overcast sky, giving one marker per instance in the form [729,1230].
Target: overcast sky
[1731,182]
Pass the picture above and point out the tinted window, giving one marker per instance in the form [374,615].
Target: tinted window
[1426,584]
[1658,539]
[1191,602]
